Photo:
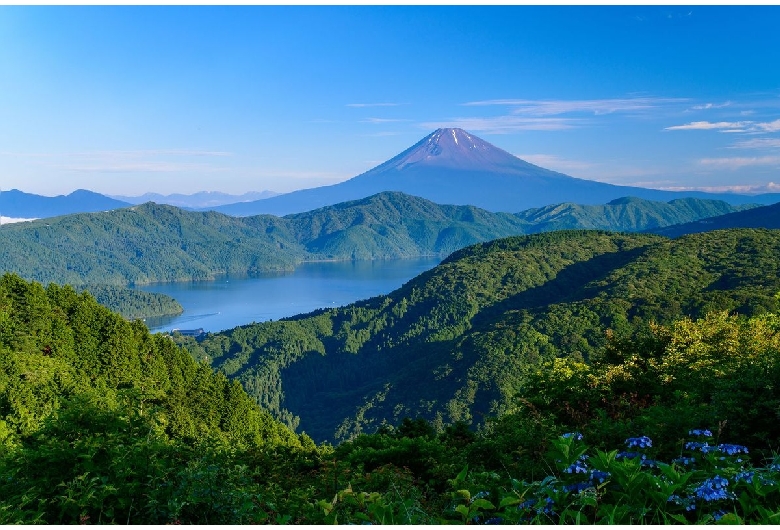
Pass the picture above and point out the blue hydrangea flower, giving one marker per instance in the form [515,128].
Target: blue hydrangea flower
[576,488]
[578,467]
[704,447]
[713,489]
[746,476]
[646,462]
[480,495]
[547,509]
[700,432]
[575,435]
[629,455]
[685,460]
[526,504]
[718,515]
[599,477]
[688,503]
[732,449]
[642,442]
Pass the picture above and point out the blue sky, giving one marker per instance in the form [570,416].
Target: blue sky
[127,100]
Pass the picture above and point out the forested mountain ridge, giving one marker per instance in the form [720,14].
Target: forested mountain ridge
[57,346]
[760,217]
[629,214]
[101,422]
[456,342]
[150,243]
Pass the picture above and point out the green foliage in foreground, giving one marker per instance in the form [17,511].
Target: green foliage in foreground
[101,422]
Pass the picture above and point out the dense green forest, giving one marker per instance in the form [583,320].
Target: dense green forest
[152,243]
[455,343]
[638,383]
[132,303]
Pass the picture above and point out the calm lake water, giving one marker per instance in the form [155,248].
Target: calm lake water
[229,302]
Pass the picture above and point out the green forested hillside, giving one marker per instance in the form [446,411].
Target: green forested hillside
[628,214]
[456,343]
[618,409]
[134,304]
[93,405]
[759,217]
[151,243]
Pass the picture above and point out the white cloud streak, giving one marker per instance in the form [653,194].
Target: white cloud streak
[728,126]
[706,126]
[757,143]
[556,163]
[708,106]
[382,120]
[739,162]
[504,124]
[596,107]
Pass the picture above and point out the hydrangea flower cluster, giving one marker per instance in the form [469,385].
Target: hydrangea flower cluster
[700,432]
[685,460]
[713,489]
[641,442]
[686,502]
[575,435]
[579,466]
[732,449]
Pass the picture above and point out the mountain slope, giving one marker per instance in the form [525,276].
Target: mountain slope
[18,204]
[151,242]
[761,217]
[451,166]
[455,342]
[624,214]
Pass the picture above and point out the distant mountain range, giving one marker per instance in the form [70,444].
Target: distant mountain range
[150,242]
[18,204]
[202,200]
[451,166]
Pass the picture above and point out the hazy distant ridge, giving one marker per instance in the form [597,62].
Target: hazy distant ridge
[18,204]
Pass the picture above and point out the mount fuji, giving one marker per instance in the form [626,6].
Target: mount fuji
[452,166]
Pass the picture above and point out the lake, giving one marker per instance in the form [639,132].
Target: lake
[229,302]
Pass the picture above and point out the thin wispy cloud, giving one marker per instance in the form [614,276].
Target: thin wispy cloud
[739,162]
[382,120]
[381,133]
[556,163]
[757,143]
[708,106]
[708,126]
[504,124]
[769,187]
[130,161]
[142,167]
[143,153]
[728,126]
[596,107]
